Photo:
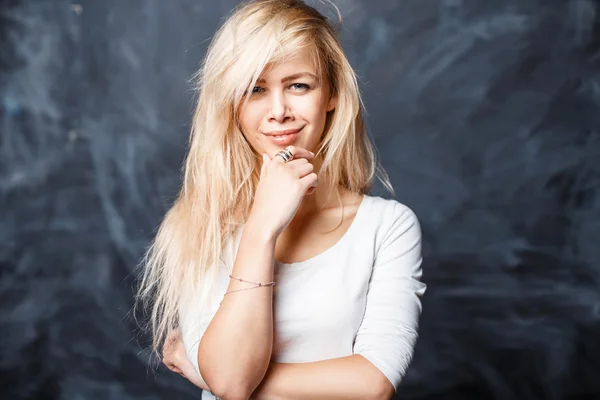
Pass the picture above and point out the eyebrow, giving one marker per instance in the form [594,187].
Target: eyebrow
[292,77]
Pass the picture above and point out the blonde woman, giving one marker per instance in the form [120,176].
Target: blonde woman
[275,275]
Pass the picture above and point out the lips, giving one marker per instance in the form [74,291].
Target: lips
[283,138]
[283,132]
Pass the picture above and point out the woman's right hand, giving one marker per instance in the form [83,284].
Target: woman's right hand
[175,358]
[282,187]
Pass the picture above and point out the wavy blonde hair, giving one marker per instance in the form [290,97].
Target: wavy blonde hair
[221,170]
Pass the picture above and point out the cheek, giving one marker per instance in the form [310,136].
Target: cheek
[250,119]
[313,108]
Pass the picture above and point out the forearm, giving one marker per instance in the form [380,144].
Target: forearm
[235,350]
[345,378]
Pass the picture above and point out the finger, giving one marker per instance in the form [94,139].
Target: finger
[169,366]
[310,180]
[171,336]
[297,152]
[167,361]
[167,343]
[171,333]
[301,167]
[173,367]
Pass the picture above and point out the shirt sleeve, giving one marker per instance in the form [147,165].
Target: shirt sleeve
[388,332]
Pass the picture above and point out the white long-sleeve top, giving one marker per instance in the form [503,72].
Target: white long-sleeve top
[360,296]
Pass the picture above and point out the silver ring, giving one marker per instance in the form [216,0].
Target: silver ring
[285,154]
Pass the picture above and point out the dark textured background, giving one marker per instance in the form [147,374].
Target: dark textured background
[485,114]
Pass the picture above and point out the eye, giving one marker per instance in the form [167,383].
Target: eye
[257,89]
[300,86]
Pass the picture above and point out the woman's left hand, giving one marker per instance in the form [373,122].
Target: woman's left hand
[175,358]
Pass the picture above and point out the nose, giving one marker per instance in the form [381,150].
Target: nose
[279,108]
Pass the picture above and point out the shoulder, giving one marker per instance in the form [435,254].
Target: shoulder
[390,211]
[392,219]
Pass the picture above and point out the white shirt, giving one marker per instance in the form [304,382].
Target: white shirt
[360,296]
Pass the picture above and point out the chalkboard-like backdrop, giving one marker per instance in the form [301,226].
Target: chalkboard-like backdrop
[486,117]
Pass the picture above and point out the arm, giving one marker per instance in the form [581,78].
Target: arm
[235,350]
[388,332]
[385,340]
[347,378]
[344,378]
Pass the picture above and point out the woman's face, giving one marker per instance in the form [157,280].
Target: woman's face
[286,97]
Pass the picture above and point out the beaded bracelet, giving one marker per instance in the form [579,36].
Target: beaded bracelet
[257,284]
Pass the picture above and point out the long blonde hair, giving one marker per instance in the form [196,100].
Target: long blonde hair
[221,170]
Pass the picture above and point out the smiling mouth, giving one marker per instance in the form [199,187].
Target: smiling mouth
[284,139]
[283,136]
[283,133]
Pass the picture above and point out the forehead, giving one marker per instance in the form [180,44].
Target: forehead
[293,62]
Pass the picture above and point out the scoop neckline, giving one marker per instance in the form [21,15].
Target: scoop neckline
[324,253]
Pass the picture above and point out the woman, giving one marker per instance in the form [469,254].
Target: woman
[269,286]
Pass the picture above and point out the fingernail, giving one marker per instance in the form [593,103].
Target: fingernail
[311,153]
